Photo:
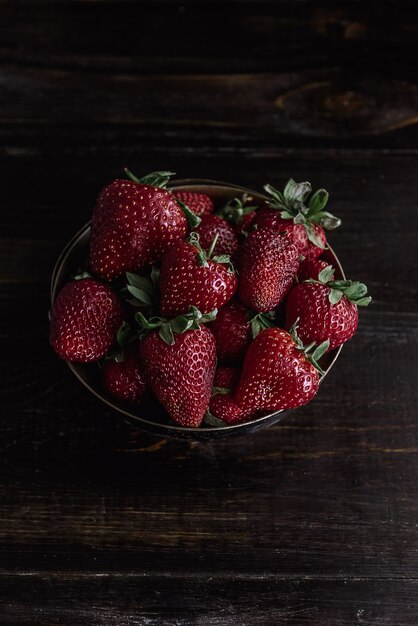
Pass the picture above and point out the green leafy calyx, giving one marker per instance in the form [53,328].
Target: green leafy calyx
[176,326]
[297,204]
[354,291]
[261,321]
[155,179]
[141,291]
[204,256]
[236,208]
[193,220]
[312,352]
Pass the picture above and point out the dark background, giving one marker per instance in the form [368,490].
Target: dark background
[313,521]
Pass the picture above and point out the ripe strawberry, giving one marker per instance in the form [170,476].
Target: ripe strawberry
[124,379]
[190,277]
[311,269]
[134,223]
[199,203]
[212,226]
[234,327]
[239,213]
[85,319]
[304,225]
[222,406]
[226,377]
[179,363]
[277,373]
[326,309]
[268,263]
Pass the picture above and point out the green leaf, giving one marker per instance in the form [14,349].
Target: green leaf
[318,201]
[341,284]
[328,221]
[140,295]
[209,317]
[222,258]
[313,237]
[255,327]
[286,215]
[356,291]
[320,350]
[180,324]
[364,301]
[155,179]
[83,276]
[166,334]
[123,334]
[274,193]
[139,281]
[300,219]
[211,420]
[297,192]
[326,274]
[144,324]
[193,220]
[335,296]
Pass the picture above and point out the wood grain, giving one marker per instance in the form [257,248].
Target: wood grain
[313,521]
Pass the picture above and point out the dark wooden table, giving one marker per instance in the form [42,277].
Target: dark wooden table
[313,521]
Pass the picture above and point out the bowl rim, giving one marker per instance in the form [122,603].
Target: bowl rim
[137,420]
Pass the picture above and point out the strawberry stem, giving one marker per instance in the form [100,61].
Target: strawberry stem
[212,246]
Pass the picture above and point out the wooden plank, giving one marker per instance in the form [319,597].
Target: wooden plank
[277,70]
[223,601]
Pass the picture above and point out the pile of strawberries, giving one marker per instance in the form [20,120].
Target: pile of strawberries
[220,314]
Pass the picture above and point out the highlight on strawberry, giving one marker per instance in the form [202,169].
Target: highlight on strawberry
[169,320]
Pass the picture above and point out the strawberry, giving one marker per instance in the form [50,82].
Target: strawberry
[85,319]
[326,309]
[311,269]
[124,379]
[178,358]
[233,328]
[199,203]
[278,372]
[268,263]
[222,406]
[189,276]
[212,226]
[134,223]
[303,224]
[226,377]
[238,213]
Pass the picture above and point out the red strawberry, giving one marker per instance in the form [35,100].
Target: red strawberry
[239,213]
[277,373]
[226,377]
[212,226]
[190,277]
[134,223]
[304,225]
[268,264]
[326,309]
[270,218]
[234,327]
[311,269]
[199,203]
[180,367]
[223,407]
[124,379]
[85,319]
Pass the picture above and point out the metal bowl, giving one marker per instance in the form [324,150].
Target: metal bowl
[152,419]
